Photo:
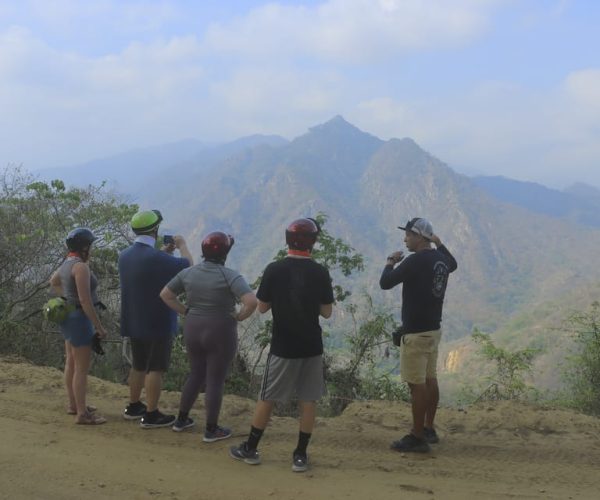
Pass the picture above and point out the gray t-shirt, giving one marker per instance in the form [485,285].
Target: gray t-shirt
[211,289]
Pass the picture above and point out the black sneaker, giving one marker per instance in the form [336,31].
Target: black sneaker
[156,419]
[181,425]
[300,462]
[411,443]
[134,411]
[431,436]
[241,452]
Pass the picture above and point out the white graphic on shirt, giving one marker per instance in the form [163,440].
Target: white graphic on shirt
[440,279]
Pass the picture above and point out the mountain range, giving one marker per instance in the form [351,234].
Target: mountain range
[518,245]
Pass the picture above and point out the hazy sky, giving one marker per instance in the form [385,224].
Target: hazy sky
[493,87]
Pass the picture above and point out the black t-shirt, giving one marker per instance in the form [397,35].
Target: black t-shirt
[296,288]
[424,276]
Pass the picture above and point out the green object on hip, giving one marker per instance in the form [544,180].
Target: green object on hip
[57,309]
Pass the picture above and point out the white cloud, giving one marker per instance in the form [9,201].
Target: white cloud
[78,107]
[549,137]
[584,88]
[264,73]
[282,100]
[349,31]
[383,117]
[104,16]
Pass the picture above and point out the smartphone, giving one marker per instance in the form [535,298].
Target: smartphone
[168,239]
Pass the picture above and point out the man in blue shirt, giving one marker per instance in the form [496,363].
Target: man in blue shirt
[424,276]
[145,319]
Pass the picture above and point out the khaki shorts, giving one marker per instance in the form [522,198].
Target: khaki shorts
[418,356]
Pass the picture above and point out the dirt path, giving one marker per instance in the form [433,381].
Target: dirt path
[488,452]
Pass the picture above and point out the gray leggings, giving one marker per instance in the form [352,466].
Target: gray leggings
[211,345]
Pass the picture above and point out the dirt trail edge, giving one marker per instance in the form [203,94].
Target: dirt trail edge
[504,450]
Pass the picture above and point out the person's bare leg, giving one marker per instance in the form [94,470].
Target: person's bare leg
[69,372]
[153,388]
[82,357]
[419,407]
[433,398]
[262,414]
[136,381]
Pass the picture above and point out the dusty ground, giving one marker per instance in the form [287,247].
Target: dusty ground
[497,451]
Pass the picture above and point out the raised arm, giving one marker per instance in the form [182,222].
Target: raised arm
[181,245]
[442,248]
[392,276]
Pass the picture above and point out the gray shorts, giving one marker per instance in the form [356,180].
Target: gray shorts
[286,379]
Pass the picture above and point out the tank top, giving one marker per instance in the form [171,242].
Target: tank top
[68,282]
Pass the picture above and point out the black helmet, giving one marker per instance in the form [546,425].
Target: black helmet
[302,234]
[216,246]
[80,239]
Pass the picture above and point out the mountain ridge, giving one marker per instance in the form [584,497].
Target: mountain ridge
[509,257]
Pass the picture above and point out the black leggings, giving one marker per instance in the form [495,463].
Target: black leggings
[211,345]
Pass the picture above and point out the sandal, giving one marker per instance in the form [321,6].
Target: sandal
[90,419]
[90,409]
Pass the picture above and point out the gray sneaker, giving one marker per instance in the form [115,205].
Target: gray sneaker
[300,463]
[181,425]
[241,452]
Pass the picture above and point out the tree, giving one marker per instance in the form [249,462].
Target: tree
[507,381]
[35,218]
[361,373]
[583,366]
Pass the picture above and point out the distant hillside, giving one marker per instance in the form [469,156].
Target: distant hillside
[136,171]
[125,172]
[580,203]
[513,241]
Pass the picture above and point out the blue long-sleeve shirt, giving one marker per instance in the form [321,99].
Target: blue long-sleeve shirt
[424,277]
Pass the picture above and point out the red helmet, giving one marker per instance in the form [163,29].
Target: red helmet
[216,245]
[301,234]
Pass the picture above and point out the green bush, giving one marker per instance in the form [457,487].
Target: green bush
[508,378]
[583,365]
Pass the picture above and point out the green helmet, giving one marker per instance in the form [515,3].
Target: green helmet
[146,221]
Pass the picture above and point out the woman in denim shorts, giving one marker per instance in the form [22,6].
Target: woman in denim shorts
[77,284]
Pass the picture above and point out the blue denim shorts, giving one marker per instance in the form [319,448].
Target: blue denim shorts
[77,329]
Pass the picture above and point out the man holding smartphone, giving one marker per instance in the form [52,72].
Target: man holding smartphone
[145,319]
[424,276]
